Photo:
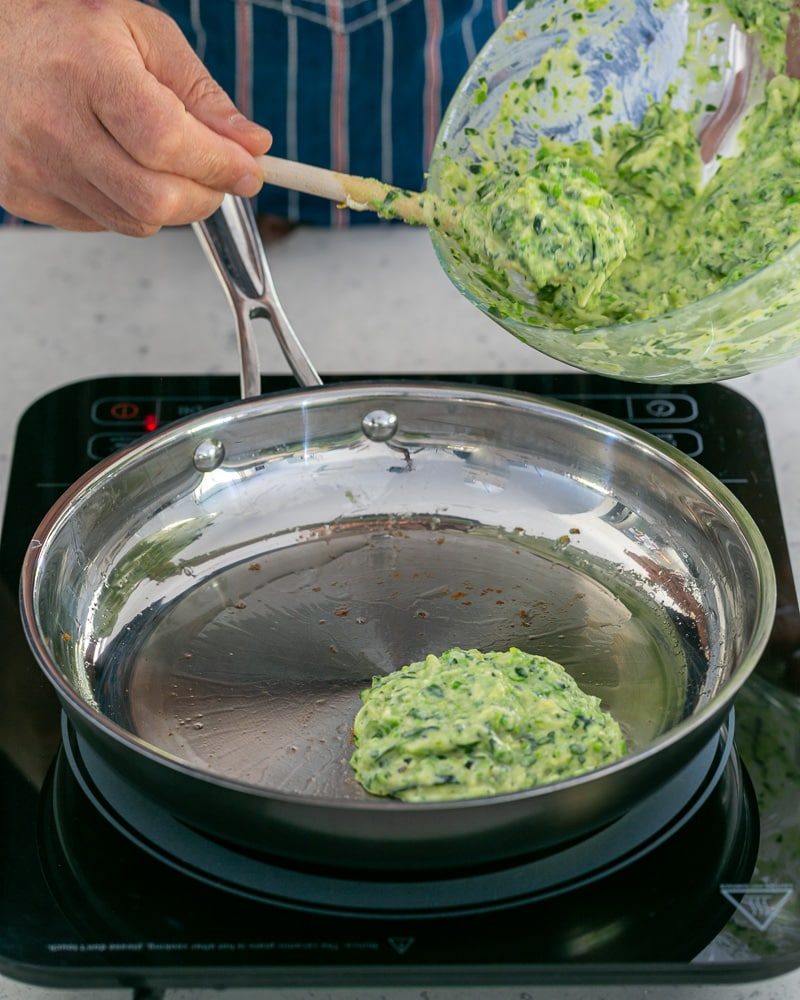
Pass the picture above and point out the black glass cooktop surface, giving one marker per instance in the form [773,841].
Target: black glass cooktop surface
[96,888]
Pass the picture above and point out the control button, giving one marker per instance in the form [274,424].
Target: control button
[102,445]
[640,408]
[651,409]
[125,411]
[689,442]
[174,408]
[660,408]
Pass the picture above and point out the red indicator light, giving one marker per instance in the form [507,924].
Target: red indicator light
[150,422]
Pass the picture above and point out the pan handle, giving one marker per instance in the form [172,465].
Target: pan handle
[232,243]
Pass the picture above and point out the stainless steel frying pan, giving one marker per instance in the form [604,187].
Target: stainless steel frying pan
[210,603]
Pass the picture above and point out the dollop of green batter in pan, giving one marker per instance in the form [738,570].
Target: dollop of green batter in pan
[467,724]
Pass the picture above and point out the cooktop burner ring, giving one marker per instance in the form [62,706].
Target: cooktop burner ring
[224,866]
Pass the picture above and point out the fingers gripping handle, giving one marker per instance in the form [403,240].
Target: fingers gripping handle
[232,243]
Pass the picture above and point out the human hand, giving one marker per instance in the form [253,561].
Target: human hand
[108,120]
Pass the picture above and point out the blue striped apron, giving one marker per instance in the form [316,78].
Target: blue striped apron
[355,85]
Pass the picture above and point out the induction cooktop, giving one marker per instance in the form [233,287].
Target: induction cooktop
[97,887]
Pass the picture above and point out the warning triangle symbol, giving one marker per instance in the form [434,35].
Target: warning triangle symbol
[758,904]
[401,944]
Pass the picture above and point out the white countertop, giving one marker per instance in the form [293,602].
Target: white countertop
[363,300]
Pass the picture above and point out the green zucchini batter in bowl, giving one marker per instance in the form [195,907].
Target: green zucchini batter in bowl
[468,724]
[663,239]
[553,225]
[689,116]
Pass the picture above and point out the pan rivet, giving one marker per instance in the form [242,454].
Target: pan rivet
[379,425]
[208,455]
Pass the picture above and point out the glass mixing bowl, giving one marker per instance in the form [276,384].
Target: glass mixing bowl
[638,50]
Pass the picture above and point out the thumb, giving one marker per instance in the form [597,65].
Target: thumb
[169,57]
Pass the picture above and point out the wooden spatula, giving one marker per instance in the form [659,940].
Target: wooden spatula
[363,194]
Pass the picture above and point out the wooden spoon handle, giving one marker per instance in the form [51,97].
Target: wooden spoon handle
[363,194]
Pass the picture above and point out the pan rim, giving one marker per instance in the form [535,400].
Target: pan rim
[372,388]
